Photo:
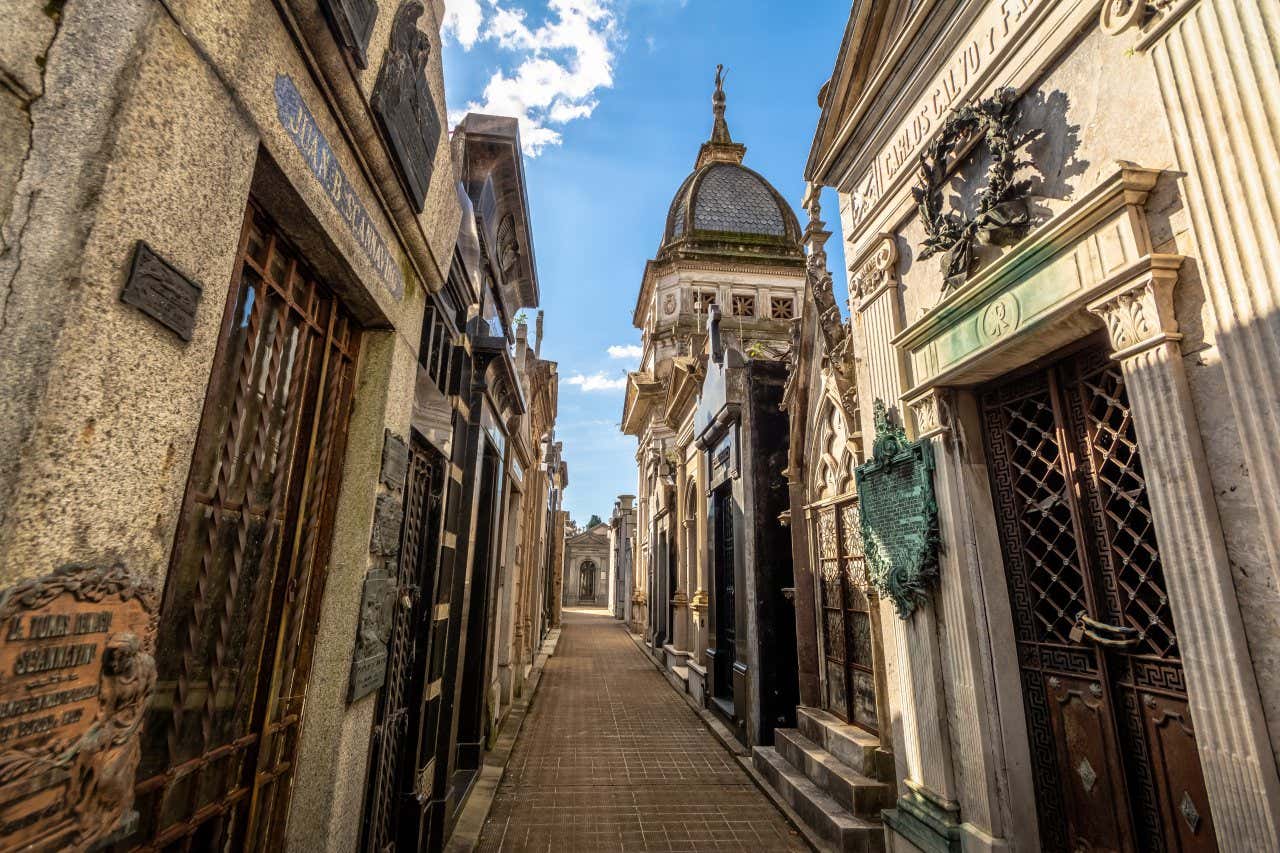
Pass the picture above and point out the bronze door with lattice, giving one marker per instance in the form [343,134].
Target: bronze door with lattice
[1112,740]
[250,559]
[849,673]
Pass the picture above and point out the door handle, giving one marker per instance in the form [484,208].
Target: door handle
[1113,636]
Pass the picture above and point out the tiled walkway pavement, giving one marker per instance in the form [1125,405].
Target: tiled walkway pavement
[611,758]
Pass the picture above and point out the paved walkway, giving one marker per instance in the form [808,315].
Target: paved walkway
[612,758]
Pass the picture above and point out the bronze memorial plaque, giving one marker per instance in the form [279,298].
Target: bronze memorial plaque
[76,673]
[899,515]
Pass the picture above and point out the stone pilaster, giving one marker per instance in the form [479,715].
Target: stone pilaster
[928,811]
[1239,770]
[873,304]
[1216,64]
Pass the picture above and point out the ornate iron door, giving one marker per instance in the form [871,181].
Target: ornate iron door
[849,683]
[725,603]
[396,755]
[1112,740]
[250,559]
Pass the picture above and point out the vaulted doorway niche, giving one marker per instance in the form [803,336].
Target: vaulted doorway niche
[587,581]
[1112,742]
[849,683]
[250,559]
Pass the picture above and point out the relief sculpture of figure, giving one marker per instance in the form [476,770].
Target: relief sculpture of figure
[108,753]
[403,100]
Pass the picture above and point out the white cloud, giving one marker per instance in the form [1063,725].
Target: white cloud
[563,62]
[625,351]
[462,19]
[599,381]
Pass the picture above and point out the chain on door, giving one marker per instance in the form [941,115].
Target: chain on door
[250,559]
[849,685]
[1112,739]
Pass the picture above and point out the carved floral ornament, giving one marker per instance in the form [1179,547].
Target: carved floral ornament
[1001,216]
[1140,315]
[934,412]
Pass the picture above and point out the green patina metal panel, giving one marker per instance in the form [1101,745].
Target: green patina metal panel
[899,515]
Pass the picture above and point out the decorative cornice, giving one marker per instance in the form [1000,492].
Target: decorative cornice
[1139,315]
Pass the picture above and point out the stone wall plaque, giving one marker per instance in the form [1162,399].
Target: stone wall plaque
[377,606]
[157,289]
[403,102]
[76,673]
[899,515]
[352,23]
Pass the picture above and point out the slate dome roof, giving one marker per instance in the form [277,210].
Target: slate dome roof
[731,199]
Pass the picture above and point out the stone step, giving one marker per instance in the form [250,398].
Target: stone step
[850,744]
[861,795]
[828,820]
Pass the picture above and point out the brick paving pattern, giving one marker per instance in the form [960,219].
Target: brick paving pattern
[611,758]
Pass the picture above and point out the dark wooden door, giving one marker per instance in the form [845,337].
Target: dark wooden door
[1112,740]
[587,582]
[849,687]
[398,752]
[250,559]
[725,603]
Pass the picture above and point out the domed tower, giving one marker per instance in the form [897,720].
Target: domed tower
[730,239]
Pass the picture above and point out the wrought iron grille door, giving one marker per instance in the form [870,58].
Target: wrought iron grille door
[250,559]
[849,683]
[397,755]
[724,566]
[1112,740]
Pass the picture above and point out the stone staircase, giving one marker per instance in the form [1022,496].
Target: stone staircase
[829,773]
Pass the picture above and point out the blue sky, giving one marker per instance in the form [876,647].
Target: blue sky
[614,98]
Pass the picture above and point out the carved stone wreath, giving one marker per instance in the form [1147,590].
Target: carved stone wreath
[1001,216]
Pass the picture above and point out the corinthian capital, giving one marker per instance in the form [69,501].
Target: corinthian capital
[1139,314]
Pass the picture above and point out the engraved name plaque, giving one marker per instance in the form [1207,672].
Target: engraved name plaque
[160,291]
[899,515]
[76,673]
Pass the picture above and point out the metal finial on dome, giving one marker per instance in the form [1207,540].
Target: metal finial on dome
[720,130]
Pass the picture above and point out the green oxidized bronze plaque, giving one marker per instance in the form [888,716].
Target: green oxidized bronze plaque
[899,515]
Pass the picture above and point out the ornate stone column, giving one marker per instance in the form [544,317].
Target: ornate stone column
[1235,753]
[1216,63]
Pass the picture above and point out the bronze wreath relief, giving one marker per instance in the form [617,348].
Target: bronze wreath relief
[1001,216]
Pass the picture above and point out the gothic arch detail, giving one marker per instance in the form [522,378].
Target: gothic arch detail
[833,454]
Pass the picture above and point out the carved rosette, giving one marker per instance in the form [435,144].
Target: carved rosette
[1139,315]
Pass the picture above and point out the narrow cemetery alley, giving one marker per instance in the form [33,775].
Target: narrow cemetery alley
[611,758]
